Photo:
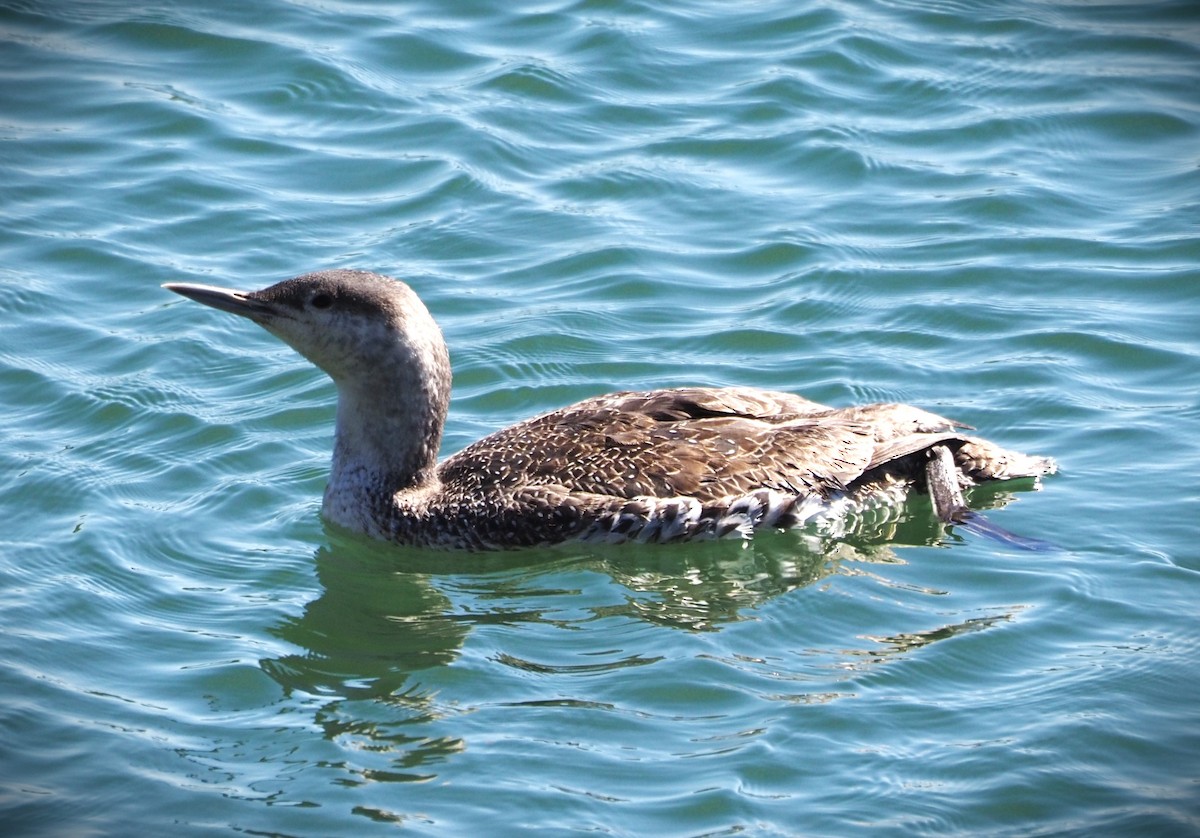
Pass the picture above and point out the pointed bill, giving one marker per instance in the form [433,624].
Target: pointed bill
[226,299]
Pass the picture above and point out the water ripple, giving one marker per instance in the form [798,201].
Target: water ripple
[986,211]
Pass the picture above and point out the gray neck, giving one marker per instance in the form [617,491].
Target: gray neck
[388,433]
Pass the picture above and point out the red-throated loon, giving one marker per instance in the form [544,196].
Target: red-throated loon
[653,466]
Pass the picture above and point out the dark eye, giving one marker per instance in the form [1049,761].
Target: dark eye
[322,300]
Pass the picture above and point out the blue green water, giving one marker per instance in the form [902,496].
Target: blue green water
[991,210]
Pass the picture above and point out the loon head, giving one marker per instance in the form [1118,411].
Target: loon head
[353,325]
[374,337]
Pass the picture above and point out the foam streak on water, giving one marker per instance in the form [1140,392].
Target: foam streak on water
[988,210]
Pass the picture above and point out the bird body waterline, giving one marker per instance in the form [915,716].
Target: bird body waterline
[650,466]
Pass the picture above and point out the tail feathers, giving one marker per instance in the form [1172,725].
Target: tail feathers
[980,460]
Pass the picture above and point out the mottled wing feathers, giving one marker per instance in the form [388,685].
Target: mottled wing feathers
[663,465]
[694,442]
[709,402]
[891,450]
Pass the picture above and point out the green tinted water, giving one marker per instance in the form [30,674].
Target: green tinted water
[989,213]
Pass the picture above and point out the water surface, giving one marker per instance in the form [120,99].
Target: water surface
[988,212]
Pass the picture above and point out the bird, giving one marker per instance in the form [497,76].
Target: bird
[651,466]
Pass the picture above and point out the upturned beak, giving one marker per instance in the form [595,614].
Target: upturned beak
[226,299]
